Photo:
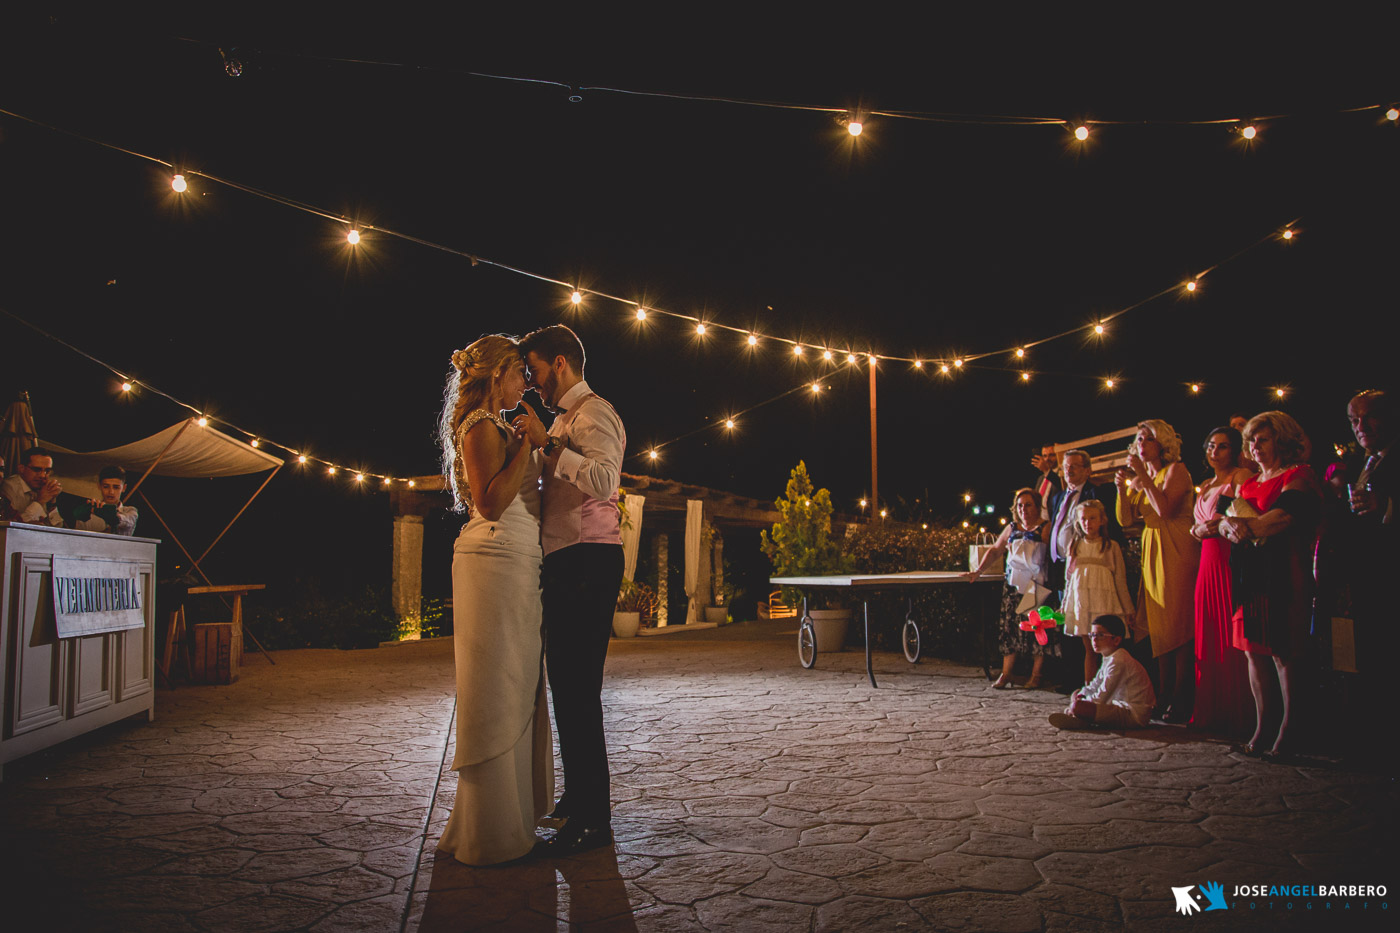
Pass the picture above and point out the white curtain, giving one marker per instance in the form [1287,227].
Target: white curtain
[694,517]
[632,535]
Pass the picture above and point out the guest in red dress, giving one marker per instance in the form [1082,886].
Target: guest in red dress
[1223,700]
[1272,582]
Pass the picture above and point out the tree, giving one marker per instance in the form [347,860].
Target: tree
[801,543]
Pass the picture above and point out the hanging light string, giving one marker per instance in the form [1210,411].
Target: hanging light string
[130,384]
[576,93]
[703,326]
[729,422]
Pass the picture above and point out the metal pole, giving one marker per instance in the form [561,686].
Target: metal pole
[874,457]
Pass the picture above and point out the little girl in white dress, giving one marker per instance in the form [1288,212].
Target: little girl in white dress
[1095,581]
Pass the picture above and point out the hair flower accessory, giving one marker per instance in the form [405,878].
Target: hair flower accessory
[1040,621]
[463,360]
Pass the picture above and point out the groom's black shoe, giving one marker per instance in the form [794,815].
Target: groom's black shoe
[577,836]
[562,810]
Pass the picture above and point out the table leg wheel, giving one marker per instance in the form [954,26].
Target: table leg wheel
[912,644]
[807,644]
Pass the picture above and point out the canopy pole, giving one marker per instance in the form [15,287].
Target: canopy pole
[240,512]
[176,539]
[132,491]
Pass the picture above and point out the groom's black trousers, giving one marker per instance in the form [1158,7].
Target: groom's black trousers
[580,593]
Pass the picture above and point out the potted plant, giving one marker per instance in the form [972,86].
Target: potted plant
[801,545]
[636,603]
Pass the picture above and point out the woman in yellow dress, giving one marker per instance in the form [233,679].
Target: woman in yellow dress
[1155,489]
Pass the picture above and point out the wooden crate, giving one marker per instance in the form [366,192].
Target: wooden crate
[214,658]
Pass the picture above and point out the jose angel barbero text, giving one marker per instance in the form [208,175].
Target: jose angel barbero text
[1309,890]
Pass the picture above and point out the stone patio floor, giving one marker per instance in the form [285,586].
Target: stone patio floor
[749,794]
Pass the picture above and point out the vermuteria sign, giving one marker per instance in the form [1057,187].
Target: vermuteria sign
[91,597]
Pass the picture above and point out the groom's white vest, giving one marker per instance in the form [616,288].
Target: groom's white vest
[568,514]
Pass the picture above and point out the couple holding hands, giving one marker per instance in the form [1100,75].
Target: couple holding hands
[535,574]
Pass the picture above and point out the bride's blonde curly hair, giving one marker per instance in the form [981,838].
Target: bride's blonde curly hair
[469,383]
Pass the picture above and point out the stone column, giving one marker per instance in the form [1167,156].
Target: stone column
[717,565]
[662,544]
[407,588]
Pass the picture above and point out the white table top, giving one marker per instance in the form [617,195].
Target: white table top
[912,578]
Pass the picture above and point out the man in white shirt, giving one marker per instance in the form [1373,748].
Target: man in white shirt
[108,514]
[582,544]
[1120,696]
[33,492]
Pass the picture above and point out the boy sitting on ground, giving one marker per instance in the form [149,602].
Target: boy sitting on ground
[1120,695]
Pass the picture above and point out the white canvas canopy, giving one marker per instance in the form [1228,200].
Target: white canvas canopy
[184,449]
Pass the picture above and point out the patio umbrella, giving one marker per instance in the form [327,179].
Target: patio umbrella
[17,432]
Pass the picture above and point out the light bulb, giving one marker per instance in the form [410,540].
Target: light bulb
[576,297]
[178,183]
[797,350]
[1191,286]
[253,442]
[943,368]
[816,387]
[1082,133]
[854,127]
[126,387]
[1249,132]
[1025,377]
[653,454]
[864,503]
[884,513]
[850,357]
[1108,383]
[330,471]
[411,484]
[918,364]
[1020,353]
[729,423]
[1392,114]
[958,363]
[1098,328]
[202,421]
[826,354]
[359,477]
[1278,392]
[1288,234]
[753,340]
[641,313]
[353,237]
[701,328]
[1195,387]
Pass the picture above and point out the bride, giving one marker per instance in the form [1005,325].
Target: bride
[504,759]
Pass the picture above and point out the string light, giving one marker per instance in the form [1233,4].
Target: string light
[797,349]
[1099,328]
[1195,388]
[1287,234]
[203,421]
[353,237]
[943,368]
[126,387]
[1392,114]
[1025,376]
[967,497]
[253,442]
[701,329]
[854,126]
[653,454]
[753,340]
[330,471]
[850,357]
[301,458]
[1249,132]
[1020,353]
[958,363]
[1109,383]
[816,387]
[826,355]
[729,423]
[641,313]
[576,297]
[1280,392]
[1081,133]
[178,183]
[864,503]
[1191,285]
[918,364]
[884,513]
[411,484]
[359,477]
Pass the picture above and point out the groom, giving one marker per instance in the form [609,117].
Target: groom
[582,544]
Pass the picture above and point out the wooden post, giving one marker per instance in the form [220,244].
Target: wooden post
[874,451]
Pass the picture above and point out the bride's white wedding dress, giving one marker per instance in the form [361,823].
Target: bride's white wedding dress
[505,757]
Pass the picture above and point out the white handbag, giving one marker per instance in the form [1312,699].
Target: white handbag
[978,550]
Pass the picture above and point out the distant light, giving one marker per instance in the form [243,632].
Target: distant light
[797,350]
[982,530]
[965,525]
[1279,393]
[1288,234]
[359,477]
[977,510]
[854,127]
[1108,383]
[330,471]
[943,368]
[1025,377]
[1392,114]
[967,497]
[850,357]
[1098,328]
[353,236]
[1020,353]
[411,484]
[126,387]
[1002,519]
[753,340]
[387,481]
[253,442]
[1191,286]
[729,423]
[178,183]
[641,313]
[701,328]
[1249,132]
[816,387]
[988,509]
[918,364]
[826,354]
[884,513]
[653,454]
[873,359]
[1082,133]
[864,503]
[957,363]
[301,458]
[576,297]
[807,502]
[202,421]
[925,526]
[1195,387]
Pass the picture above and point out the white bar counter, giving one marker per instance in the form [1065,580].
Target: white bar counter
[56,688]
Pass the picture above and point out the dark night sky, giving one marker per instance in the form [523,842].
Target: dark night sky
[918,239]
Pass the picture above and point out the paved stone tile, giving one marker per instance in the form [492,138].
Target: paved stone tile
[748,794]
